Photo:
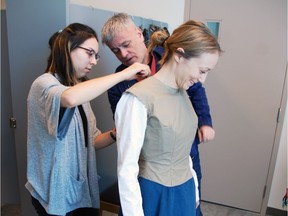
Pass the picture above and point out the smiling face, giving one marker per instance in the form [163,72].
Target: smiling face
[195,70]
[128,45]
[83,60]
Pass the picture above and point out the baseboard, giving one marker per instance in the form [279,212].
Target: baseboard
[276,212]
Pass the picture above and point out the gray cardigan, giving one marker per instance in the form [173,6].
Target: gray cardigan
[61,171]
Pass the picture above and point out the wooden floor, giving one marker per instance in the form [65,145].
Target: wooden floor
[208,209]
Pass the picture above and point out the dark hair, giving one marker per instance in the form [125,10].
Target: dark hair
[194,37]
[62,44]
[50,43]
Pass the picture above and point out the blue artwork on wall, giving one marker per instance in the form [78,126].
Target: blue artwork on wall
[214,26]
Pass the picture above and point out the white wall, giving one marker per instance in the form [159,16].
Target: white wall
[169,11]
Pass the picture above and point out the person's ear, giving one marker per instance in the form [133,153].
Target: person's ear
[139,33]
[180,50]
[178,55]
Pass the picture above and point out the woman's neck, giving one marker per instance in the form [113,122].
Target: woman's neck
[167,75]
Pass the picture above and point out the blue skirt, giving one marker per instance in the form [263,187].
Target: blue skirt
[159,200]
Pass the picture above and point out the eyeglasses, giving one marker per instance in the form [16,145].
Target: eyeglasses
[91,52]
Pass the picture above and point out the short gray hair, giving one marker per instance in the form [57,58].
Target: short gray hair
[114,24]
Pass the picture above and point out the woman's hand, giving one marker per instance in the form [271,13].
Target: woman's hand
[136,71]
[206,133]
[90,89]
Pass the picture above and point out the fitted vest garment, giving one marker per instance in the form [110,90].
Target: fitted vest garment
[171,128]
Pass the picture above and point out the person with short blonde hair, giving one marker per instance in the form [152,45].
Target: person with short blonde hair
[126,41]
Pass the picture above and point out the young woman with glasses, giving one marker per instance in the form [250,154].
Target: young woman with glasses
[62,133]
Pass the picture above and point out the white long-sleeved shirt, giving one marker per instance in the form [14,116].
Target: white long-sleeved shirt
[129,145]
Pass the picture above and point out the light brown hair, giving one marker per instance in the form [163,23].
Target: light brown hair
[192,36]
